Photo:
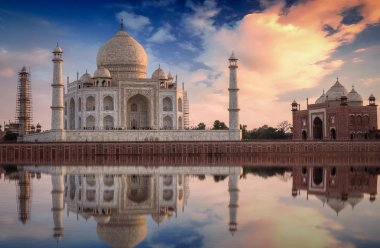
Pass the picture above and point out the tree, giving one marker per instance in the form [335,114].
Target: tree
[219,125]
[244,131]
[201,126]
[9,136]
[284,126]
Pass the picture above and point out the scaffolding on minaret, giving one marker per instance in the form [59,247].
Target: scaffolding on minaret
[24,102]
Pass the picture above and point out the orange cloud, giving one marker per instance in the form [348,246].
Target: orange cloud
[277,54]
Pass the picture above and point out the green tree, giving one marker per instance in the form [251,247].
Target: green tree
[9,136]
[219,125]
[201,126]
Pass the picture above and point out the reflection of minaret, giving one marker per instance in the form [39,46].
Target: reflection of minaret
[57,195]
[24,193]
[233,189]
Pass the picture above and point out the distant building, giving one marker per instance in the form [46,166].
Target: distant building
[336,115]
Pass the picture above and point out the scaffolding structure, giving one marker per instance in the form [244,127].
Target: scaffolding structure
[24,102]
[186,113]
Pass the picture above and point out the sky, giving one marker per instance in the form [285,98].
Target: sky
[286,49]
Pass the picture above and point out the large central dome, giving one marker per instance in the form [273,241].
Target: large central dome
[123,56]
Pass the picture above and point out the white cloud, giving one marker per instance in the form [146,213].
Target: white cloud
[188,46]
[133,21]
[163,34]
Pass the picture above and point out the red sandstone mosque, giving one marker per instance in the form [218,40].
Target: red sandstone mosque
[336,115]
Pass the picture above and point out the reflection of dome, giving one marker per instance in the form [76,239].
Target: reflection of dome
[103,219]
[159,74]
[336,91]
[159,218]
[102,72]
[354,199]
[123,231]
[354,96]
[123,53]
[322,198]
[336,204]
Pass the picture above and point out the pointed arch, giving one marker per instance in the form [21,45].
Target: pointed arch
[72,114]
[167,104]
[108,103]
[90,122]
[168,122]
[90,103]
[108,122]
[179,105]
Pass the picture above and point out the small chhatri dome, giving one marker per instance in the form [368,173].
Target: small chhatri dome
[336,91]
[102,72]
[354,96]
[24,70]
[85,77]
[57,49]
[122,53]
[322,98]
[159,74]
[232,57]
[372,97]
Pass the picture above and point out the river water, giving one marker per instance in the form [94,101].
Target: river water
[189,206]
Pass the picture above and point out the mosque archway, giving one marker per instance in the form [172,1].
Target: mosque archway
[317,176]
[138,110]
[304,135]
[72,114]
[317,128]
[168,123]
[333,133]
[108,122]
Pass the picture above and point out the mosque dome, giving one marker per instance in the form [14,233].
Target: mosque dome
[321,99]
[102,72]
[123,231]
[122,53]
[24,69]
[86,77]
[159,74]
[336,91]
[354,96]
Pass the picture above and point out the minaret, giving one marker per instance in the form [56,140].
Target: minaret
[233,189]
[57,196]
[233,90]
[24,195]
[57,88]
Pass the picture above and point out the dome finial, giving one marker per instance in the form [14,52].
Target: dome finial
[122,24]
[159,66]
[337,79]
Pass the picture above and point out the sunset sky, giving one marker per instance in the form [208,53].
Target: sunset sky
[287,49]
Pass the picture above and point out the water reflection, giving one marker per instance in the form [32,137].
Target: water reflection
[121,200]
[336,186]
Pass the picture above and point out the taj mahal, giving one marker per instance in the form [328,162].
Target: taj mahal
[119,102]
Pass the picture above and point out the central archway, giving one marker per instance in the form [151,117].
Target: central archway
[138,110]
[317,128]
